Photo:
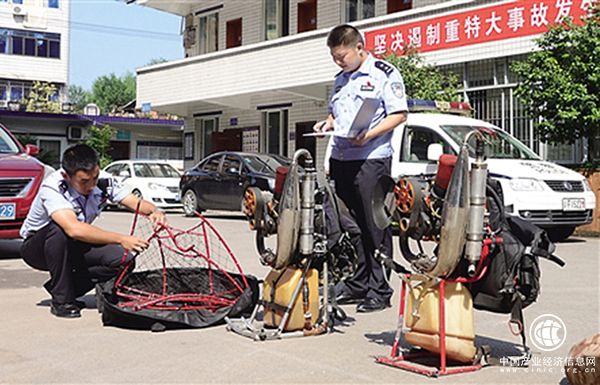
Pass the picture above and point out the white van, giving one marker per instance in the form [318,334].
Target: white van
[551,196]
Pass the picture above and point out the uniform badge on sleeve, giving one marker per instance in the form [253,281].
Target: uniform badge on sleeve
[397,89]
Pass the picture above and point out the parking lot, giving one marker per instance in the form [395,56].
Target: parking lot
[40,348]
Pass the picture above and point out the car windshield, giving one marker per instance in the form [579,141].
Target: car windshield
[264,164]
[154,170]
[499,144]
[7,144]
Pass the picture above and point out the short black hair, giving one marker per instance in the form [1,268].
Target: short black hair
[344,35]
[79,157]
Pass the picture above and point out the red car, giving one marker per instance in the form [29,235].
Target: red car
[20,179]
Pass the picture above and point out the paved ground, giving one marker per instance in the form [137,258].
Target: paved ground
[39,348]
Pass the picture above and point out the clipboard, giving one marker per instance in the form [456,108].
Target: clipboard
[361,122]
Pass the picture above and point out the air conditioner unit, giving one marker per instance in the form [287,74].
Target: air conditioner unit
[18,10]
[3,103]
[74,133]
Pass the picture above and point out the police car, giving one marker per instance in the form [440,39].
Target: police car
[544,193]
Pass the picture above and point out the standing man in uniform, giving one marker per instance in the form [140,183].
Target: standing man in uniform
[357,163]
[60,238]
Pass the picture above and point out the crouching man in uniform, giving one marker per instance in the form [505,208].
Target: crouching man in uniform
[59,236]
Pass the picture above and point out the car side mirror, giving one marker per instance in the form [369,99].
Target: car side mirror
[32,150]
[434,151]
[124,174]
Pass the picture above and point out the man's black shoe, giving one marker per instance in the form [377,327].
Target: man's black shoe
[347,299]
[80,304]
[65,310]
[369,305]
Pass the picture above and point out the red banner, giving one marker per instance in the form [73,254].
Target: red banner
[480,25]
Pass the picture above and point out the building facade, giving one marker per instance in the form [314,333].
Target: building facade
[34,46]
[257,74]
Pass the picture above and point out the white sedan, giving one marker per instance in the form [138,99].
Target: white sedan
[155,181]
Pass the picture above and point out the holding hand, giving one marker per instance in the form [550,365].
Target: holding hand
[158,217]
[133,243]
[362,138]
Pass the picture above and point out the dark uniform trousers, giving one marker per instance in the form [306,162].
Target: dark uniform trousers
[74,266]
[354,183]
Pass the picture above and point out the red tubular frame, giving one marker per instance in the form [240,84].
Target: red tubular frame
[402,361]
[138,299]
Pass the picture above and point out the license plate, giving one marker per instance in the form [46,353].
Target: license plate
[573,204]
[8,211]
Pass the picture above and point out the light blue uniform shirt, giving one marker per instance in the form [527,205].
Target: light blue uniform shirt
[373,79]
[56,194]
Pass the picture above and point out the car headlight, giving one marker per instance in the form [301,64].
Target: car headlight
[526,184]
[157,186]
[586,185]
[271,184]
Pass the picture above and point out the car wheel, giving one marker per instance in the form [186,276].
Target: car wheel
[557,234]
[190,203]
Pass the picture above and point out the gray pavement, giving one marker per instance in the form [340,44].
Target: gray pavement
[37,347]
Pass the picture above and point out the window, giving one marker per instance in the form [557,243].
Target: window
[188,145]
[359,9]
[212,165]
[398,5]
[52,3]
[208,29]
[3,41]
[276,17]
[14,90]
[275,125]
[19,42]
[52,149]
[417,141]
[231,162]
[234,33]
[307,15]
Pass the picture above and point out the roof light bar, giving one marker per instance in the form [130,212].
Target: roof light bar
[422,105]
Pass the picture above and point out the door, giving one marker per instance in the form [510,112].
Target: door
[307,15]
[206,183]
[413,154]
[234,33]
[228,140]
[307,142]
[231,184]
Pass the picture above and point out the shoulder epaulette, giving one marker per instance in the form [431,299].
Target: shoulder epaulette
[385,67]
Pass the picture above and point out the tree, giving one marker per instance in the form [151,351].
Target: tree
[79,98]
[111,91]
[561,82]
[425,81]
[40,98]
[98,137]
[157,61]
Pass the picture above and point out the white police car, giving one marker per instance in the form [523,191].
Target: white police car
[544,193]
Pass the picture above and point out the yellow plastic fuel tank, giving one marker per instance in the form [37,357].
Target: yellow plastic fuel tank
[424,328]
[278,290]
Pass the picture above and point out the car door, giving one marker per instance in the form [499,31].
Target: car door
[413,152]
[206,184]
[231,184]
